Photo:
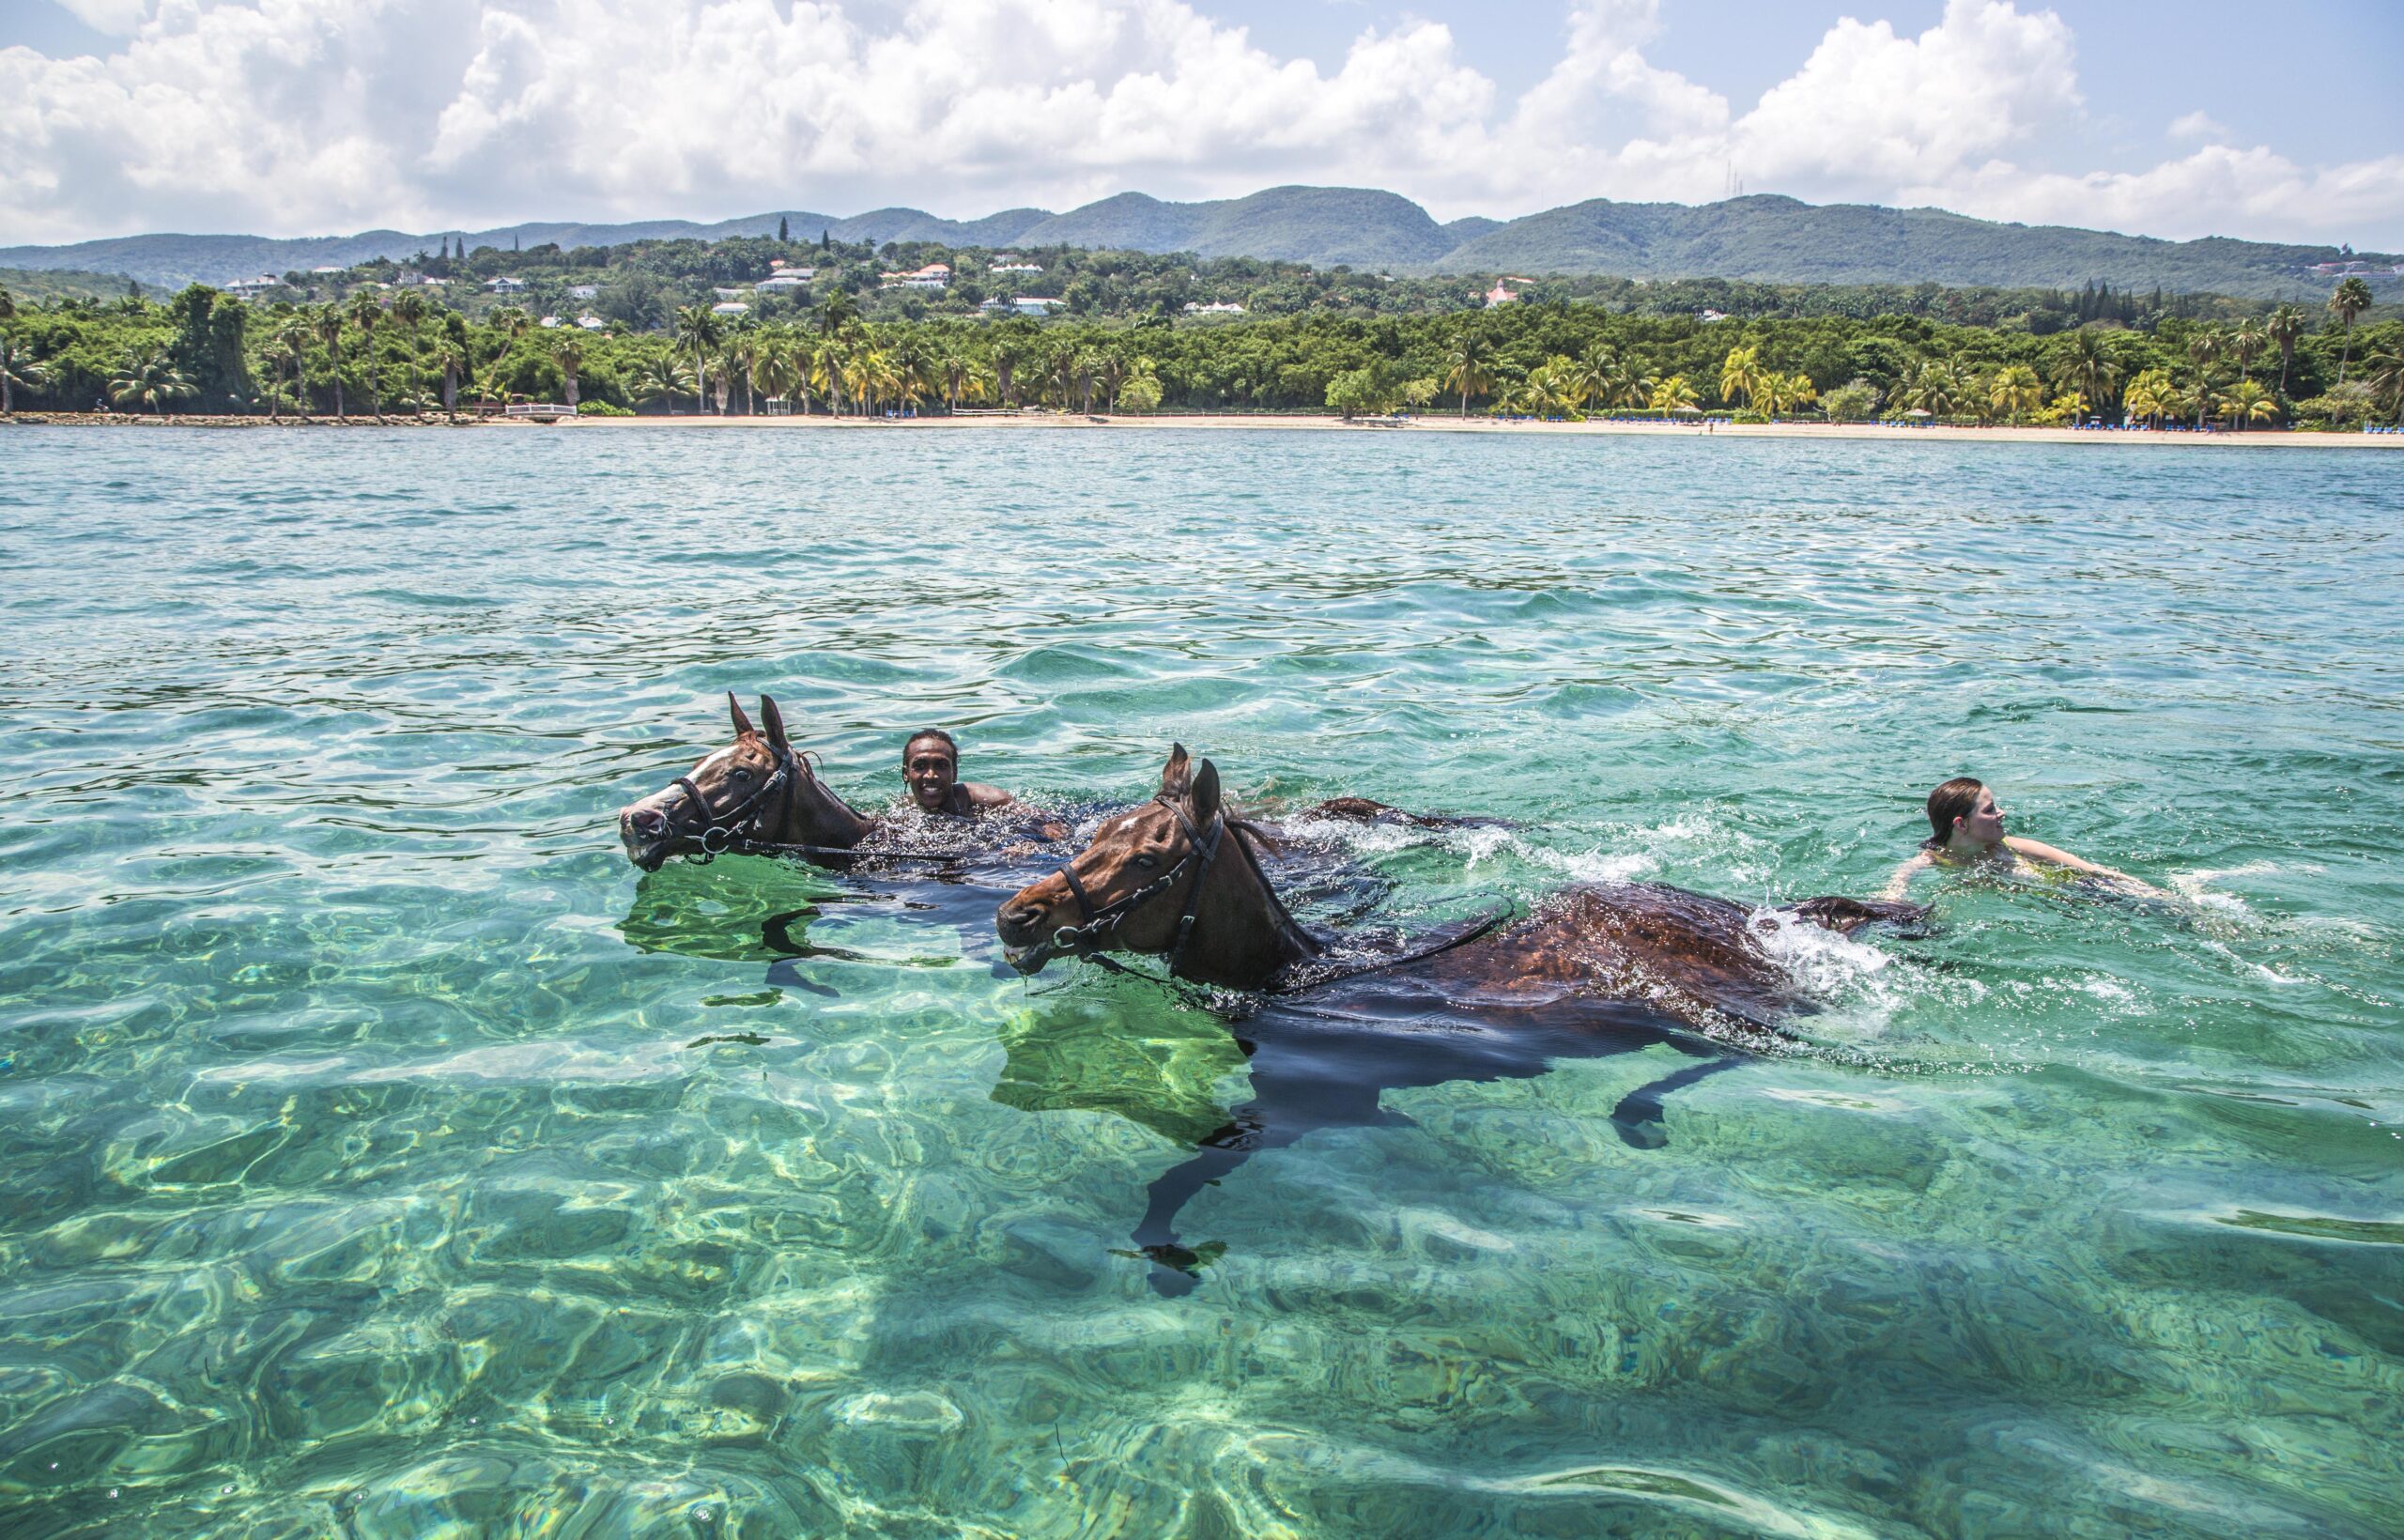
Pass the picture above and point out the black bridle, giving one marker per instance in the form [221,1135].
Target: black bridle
[721,830]
[1094,922]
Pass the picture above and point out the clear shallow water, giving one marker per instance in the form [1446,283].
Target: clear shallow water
[386,1157]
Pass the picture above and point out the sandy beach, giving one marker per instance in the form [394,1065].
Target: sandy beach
[1284,423]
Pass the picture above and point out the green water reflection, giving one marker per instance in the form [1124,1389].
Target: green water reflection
[386,1158]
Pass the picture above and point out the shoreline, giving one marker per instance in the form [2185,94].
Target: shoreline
[1073,422]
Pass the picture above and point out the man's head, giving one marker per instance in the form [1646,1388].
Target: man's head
[930,765]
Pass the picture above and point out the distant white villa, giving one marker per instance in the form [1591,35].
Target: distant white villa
[1014,266]
[590,322]
[550,323]
[250,288]
[1025,304]
[934,275]
[730,307]
[1498,295]
[728,293]
[1225,307]
[789,280]
[505,284]
[327,270]
[1709,316]
[584,291]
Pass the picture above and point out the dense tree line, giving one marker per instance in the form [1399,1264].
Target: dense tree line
[851,347]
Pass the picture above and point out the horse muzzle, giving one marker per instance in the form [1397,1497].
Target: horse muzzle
[1028,942]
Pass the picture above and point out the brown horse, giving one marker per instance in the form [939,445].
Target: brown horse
[1592,971]
[759,790]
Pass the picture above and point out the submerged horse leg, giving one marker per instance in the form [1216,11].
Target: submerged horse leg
[1638,1119]
[1284,1108]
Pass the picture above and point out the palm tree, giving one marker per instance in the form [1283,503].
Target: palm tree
[2246,342]
[2351,298]
[1785,392]
[327,323]
[774,363]
[287,354]
[958,372]
[511,321]
[1596,377]
[827,363]
[19,371]
[1111,373]
[1742,375]
[2385,372]
[835,312]
[149,379]
[1935,386]
[1669,394]
[2015,391]
[568,353]
[697,334]
[2247,402]
[2204,346]
[660,377]
[365,312]
[2151,396]
[1469,368]
[2286,325]
[492,386]
[2086,368]
[8,304]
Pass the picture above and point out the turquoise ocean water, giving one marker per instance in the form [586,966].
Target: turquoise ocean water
[383,1156]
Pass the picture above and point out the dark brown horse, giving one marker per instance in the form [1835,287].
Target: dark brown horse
[758,791]
[1592,971]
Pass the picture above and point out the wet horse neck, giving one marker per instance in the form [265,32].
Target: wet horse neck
[816,816]
[1242,935]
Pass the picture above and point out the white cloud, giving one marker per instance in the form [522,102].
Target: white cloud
[116,18]
[292,116]
[2197,125]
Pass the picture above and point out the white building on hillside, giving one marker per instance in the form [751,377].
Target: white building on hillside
[1498,295]
[250,288]
[730,307]
[1226,307]
[506,284]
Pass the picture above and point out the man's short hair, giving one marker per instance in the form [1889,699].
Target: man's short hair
[924,735]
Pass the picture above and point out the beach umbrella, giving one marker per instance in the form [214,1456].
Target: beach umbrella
[1919,411]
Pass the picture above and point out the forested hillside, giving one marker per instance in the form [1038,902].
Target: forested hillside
[1764,239]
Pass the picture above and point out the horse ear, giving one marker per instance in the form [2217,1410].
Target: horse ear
[776,721]
[735,709]
[1177,774]
[1205,797]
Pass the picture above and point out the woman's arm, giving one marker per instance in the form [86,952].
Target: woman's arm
[1901,881]
[2037,850]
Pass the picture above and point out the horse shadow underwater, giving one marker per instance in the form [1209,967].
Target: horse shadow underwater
[1325,1022]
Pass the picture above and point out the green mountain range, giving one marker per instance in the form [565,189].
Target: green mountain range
[1764,239]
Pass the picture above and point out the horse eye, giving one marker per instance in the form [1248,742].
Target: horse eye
[1148,862]
[741,774]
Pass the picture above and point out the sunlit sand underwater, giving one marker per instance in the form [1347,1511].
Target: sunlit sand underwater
[386,1157]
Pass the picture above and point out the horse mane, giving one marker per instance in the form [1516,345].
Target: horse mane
[1251,839]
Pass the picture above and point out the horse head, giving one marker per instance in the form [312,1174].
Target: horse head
[758,789]
[1162,879]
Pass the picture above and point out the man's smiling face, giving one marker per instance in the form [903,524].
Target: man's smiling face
[929,767]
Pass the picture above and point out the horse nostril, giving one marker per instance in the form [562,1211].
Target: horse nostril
[649,824]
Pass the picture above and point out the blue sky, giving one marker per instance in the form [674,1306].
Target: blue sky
[296,116]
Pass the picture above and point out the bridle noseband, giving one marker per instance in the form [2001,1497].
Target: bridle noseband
[743,821]
[1095,922]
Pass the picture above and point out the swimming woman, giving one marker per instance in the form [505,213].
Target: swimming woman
[1965,829]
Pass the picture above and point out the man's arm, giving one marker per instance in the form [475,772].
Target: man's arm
[984,798]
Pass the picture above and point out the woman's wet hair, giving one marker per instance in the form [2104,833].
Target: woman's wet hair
[935,733]
[1957,798]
